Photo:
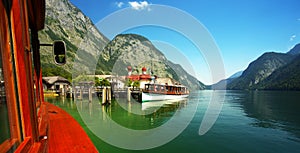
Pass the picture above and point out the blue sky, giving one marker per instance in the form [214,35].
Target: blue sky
[242,29]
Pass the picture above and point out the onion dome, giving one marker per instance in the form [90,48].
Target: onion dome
[129,68]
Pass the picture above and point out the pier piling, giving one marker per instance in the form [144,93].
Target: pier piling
[108,90]
[128,94]
[90,94]
[80,93]
[103,96]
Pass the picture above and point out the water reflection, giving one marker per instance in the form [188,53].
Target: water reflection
[250,121]
[153,115]
[270,109]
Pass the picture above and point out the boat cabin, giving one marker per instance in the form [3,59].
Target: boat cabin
[165,89]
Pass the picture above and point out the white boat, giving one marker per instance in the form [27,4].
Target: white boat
[158,92]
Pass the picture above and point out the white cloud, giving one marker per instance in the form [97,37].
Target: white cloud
[139,5]
[119,4]
[292,37]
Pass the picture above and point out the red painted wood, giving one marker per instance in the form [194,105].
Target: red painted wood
[65,134]
[20,65]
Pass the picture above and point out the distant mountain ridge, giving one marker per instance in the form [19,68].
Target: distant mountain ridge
[236,75]
[221,85]
[264,68]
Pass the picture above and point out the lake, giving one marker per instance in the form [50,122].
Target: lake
[249,121]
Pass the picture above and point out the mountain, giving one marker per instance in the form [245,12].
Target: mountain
[66,22]
[295,50]
[221,85]
[90,52]
[284,78]
[236,75]
[137,51]
[261,69]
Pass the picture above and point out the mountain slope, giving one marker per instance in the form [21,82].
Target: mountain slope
[85,48]
[236,75]
[270,71]
[284,78]
[221,85]
[137,51]
[259,70]
[66,22]
[295,50]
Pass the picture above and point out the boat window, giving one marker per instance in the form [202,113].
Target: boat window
[167,88]
[11,127]
[4,120]
[151,87]
[162,88]
[156,88]
[8,113]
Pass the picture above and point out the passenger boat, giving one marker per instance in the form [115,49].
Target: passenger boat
[28,123]
[159,92]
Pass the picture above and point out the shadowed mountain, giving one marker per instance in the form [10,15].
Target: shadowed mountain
[259,70]
[284,78]
[295,50]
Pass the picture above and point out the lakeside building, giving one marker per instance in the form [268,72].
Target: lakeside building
[145,78]
[56,83]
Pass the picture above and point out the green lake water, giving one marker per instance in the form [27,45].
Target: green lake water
[249,121]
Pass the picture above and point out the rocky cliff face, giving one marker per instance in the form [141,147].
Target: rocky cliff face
[66,22]
[284,78]
[137,51]
[262,68]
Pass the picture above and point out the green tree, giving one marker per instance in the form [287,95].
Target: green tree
[101,82]
[136,84]
[97,81]
[128,82]
[105,82]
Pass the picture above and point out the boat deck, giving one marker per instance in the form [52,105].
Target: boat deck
[64,132]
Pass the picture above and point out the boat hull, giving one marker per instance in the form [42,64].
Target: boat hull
[147,97]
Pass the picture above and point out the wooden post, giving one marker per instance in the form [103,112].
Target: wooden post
[90,94]
[109,95]
[75,93]
[103,96]
[71,92]
[80,93]
[63,91]
[128,94]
